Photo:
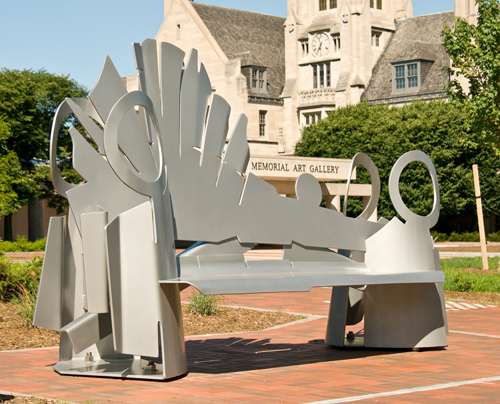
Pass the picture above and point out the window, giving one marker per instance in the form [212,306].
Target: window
[406,77]
[336,42]
[376,38]
[376,4]
[324,3]
[305,47]
[311,117]
[400,77]
[262,123]
[259,79]
[322,75]
[412,75]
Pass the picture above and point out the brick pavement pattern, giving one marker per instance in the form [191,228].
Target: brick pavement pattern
[290,364]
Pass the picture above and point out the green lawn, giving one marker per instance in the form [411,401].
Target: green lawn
[468,282]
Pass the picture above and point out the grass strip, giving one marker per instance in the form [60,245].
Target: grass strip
[460,275]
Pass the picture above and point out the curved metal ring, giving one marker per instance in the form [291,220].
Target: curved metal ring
[416,155]
[134,180]
[60,184]
[366,161]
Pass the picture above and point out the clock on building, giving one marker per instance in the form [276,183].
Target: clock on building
[320,44]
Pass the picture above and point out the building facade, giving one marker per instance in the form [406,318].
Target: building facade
[286,73]
[411,66]
[244,55]
[331,49]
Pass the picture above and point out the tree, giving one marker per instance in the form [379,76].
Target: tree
[28,101]
[386,133]
[474,53]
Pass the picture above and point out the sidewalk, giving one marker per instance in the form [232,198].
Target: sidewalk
[291,364]
[466,249]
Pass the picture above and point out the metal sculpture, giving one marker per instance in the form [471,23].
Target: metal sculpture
[161,172]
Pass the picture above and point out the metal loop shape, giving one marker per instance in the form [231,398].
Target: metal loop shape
[135,180]
[60,184]
[415,155]
[366,161]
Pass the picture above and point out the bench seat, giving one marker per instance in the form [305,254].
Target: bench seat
[233,277]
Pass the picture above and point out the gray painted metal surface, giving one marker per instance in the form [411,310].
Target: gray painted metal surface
[161,172]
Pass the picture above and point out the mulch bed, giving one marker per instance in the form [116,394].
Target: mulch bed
[14,334]
[491,271]
[476,297]
[465,248]
[27,400]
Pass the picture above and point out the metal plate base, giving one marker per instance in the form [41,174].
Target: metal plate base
[356,342]
[115,368]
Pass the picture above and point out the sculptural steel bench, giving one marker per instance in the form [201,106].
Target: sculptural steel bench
[110,281]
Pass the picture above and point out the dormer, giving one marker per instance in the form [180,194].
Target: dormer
[256,78]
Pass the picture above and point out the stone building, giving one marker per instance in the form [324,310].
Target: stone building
[331,48]
[411,66]
[285,74]
[244,55]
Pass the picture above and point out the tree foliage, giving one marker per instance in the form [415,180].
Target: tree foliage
[386,133]
[28,101]
[15,186]
[475,54]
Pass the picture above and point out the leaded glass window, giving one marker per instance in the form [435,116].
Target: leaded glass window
[400,77]
[259,79]
[412,75]
[322,75]
[262,123]
[406,76]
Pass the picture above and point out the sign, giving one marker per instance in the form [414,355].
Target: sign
[289,168]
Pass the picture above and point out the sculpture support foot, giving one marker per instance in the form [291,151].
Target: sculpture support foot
[405,316]
[346,308]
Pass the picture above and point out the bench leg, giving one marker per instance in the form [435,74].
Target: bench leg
[405,316]
[172,338]
[335,329]
[346,308]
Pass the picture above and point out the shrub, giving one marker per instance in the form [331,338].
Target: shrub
[437,128]
[204,305]
[15,276]
[22,245]
[466,236]
[25,302]
[463,284]
[495,237]
[439,236]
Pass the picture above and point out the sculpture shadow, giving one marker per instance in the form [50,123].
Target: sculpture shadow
[229,355]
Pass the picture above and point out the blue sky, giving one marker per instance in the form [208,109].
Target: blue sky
[73,36]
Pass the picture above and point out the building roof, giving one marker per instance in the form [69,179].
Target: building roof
[257,39]
[417,38]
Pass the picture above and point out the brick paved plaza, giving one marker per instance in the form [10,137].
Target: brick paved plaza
[291,364]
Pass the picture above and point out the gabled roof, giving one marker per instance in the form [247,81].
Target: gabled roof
[417,38]
[257,39]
